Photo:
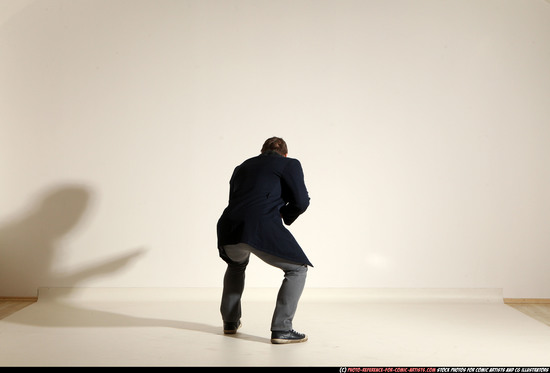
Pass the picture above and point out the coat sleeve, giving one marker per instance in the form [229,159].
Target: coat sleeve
[294,192]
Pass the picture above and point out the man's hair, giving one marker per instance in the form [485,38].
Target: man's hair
[275,144]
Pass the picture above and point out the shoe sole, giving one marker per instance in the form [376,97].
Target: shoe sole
[280,341]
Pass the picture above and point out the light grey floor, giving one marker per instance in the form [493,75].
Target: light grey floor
[346,327]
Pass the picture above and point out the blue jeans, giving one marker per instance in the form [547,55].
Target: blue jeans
[233,285]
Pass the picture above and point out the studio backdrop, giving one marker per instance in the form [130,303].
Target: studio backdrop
[423,128]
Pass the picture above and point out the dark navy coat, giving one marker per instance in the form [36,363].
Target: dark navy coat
[264,192]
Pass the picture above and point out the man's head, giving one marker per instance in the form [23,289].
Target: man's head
[275,144]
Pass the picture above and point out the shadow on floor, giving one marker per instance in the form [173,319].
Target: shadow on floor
[58,314]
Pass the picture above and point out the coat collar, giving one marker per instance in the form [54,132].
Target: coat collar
[271,153]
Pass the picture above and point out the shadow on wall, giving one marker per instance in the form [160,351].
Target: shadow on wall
[27,251]
[28,245]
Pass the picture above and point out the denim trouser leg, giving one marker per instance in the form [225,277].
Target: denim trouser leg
[289,292]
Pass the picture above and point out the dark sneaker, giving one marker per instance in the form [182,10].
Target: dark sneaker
[231,327]
[289,336]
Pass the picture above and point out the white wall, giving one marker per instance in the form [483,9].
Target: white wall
[423,128]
